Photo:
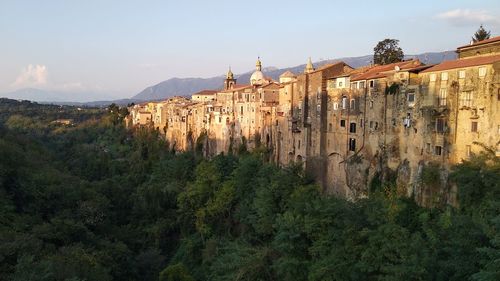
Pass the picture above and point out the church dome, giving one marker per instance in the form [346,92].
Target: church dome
[257,77]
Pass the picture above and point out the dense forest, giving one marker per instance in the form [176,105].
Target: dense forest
[90,200]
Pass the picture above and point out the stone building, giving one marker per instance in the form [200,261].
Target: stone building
[350,127]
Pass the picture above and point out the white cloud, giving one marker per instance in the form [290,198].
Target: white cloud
[464,17]
[37,76]
[32,76]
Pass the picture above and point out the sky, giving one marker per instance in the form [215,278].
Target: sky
[115,49]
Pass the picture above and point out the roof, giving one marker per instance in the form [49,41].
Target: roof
[467,62]
[205,92]
[236,87]
[379,71]
[327,66]
[274,84]
[353,72]
[240,86]
[287,73]
[487,41]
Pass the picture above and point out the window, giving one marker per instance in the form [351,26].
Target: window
[298,146]
[342,123]
[466,99]
[440,125]
[352,144]
[340,84]
[428,147]
[407,120]
[361,85]
[333,83]
[438,150]
[444,76]
[443,93]
[376,125]
[241,110]
[468,151]
[330,127]
[411,97]
[220,119]
[371,124]
[473,127]
[344,102]
[353,85]
[432,77]
[318,109]
[371,104]
[353,104]
[482,71]
[372,83]
[352,127]
[461,74]
[335,106]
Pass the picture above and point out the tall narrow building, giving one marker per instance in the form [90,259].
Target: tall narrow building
[229,82]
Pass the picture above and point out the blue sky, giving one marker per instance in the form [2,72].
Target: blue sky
[117,48]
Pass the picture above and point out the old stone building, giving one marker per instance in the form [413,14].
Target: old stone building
[350,127]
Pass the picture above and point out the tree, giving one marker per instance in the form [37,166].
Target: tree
[481,34]
[387,51]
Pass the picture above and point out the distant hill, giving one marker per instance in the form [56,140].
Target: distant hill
[101,103]
[188,86]
[44,96]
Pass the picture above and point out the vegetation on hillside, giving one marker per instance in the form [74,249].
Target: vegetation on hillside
[93,201]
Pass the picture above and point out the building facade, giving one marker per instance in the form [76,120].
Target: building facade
[350,127]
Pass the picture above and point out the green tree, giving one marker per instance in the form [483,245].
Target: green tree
[387,51]
[481,34]
[176,272]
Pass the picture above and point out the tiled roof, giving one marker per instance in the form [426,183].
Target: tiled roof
[205,92]
[467,62]
[379,71]
[287,73]
[237,86]
[491,40]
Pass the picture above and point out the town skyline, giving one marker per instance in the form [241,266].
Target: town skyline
[116,49]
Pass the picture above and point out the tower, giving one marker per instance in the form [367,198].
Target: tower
[309,66]
[258,65]
[229,81]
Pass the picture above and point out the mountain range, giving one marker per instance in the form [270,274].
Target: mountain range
[187,86]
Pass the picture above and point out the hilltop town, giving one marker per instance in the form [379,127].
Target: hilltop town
[350,127]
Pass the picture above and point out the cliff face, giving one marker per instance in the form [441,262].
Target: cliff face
[397,127]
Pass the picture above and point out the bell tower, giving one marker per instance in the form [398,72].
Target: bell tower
[229,82]
[309,66]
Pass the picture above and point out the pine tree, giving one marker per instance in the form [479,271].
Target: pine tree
[387,51]
[481,34]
